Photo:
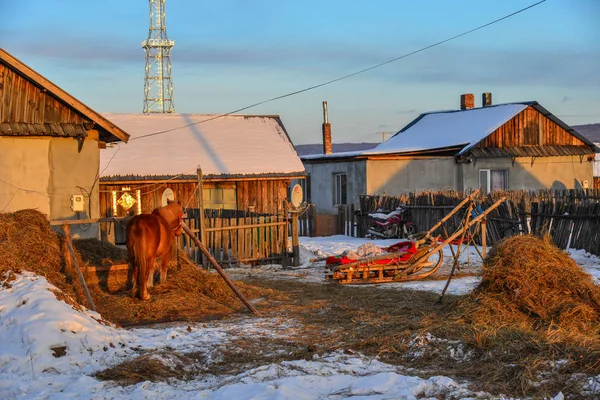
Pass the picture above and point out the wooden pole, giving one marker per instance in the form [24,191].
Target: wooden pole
[483,238]
[451,213]
[201,223]
[67,230]
[295,240]
[216,265]
[456,257]
[433,249]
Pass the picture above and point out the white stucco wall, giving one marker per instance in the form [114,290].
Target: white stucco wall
[395,177]
[43,173]
[321,181]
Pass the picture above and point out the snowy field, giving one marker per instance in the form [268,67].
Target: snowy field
[35,325]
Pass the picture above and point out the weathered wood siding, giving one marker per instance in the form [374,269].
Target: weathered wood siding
[24,102]
[266,196]
[519,131]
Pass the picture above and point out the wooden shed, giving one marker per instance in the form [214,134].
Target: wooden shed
[247,163]
[49,147]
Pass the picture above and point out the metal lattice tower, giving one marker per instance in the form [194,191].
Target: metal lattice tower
[158,84]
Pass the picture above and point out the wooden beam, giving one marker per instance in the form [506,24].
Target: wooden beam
[67,232]
[216,265]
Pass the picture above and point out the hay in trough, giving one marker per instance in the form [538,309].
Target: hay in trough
[531,285]
[28,243]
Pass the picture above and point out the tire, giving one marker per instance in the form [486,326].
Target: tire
[410,229]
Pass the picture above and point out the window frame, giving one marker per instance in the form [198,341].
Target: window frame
[209,204]
[340,189]
[487,188]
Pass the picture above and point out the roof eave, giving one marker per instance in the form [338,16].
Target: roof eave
[34,76]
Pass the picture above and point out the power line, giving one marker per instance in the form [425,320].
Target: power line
[346,76]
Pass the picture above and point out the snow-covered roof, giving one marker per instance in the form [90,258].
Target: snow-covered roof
[449,128]
[221,145]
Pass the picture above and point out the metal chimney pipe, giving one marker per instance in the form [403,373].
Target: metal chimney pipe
[325,115]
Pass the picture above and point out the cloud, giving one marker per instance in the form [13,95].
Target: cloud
[565,99]
[447,64]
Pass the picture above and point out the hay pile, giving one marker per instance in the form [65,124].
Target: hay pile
[96,252]
[28,243]
[530,285]
[190,294]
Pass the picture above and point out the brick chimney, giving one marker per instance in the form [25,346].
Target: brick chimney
[486,99]
[326,131]
[467,101]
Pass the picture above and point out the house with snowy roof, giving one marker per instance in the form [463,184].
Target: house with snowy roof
[493,147]
[247,163]
[50,147]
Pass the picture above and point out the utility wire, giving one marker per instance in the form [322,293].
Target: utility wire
[346,76]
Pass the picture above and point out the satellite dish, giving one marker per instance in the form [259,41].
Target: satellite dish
[167,195]
[297,195]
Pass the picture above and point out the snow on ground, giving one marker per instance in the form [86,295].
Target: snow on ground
[318,248]
[35,327]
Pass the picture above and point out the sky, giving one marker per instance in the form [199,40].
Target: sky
[35,322]
[229,54]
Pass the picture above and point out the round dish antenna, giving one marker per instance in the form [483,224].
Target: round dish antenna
[297,195]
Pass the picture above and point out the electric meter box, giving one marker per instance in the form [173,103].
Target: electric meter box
[77,201]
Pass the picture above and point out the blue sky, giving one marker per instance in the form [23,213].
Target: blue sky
[232,53]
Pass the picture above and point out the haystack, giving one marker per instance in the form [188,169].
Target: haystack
[28,243]
[528,283]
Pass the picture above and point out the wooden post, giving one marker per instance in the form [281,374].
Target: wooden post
[295,240]
[216,265]
[67,231]
[201,223]
[483,237]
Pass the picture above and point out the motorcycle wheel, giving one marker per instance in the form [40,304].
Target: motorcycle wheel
[410,229]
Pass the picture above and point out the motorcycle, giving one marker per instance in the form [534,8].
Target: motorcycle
[392,225]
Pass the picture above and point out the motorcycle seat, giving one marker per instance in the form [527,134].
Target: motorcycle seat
[383,216]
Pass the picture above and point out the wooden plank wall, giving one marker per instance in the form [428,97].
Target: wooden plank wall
[512,133]
[266,196]
[22,101]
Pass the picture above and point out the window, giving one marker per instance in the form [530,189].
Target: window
[219,199]
[305,183]
[531,134]
[493,179]
[339,189]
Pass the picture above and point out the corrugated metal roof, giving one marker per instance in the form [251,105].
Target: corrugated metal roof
[226,145]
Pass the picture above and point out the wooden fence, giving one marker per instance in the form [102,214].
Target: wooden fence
[572,217]
[234,237]
[307,221]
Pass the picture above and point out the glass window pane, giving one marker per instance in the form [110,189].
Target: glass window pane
[499,179]
[229,195]
[483,180]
